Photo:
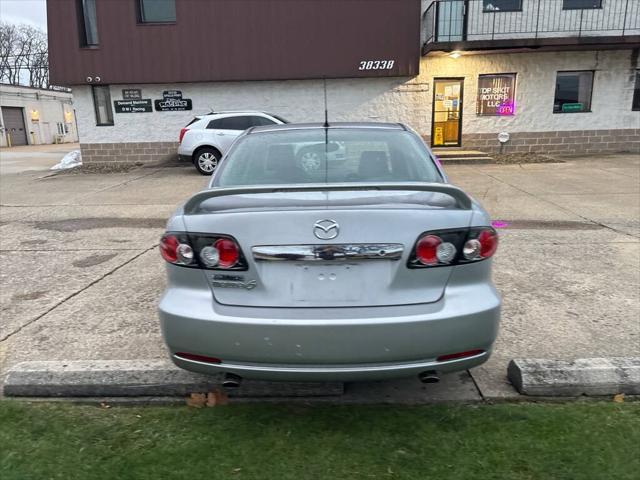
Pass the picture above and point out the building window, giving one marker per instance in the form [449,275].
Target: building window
[156,11]
[502,5]
[102,105]
[88,23]
[636,93]
[580,4]
[573,92]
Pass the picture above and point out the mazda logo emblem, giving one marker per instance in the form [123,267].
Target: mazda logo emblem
[326,229]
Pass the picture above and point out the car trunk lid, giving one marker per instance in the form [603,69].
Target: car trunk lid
[328,248]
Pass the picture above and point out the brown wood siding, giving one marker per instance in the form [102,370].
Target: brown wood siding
[219,40]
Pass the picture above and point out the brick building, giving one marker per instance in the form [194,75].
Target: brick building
[540,75]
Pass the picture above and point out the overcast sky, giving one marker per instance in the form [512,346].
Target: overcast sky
[32,12]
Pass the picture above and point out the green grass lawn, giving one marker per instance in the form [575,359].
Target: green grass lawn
[507,441]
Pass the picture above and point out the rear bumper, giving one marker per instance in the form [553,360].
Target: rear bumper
[184,152]
[330,372]
[323,344]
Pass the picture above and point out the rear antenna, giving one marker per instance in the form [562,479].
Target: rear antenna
[326,110]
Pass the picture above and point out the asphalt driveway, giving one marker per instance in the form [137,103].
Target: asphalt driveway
[80,274]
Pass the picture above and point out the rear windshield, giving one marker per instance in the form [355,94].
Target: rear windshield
[327,156]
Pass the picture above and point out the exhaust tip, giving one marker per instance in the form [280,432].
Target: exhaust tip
[430,376]
[231,381]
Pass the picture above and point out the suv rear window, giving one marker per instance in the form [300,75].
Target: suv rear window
[278,117]
[333,156]
[241,122]
[260,121]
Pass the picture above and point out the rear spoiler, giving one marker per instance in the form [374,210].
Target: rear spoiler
[463,200]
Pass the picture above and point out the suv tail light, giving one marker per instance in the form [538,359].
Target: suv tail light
[452,247]
[182,132]
[212,252]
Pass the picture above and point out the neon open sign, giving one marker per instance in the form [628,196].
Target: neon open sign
[496,94]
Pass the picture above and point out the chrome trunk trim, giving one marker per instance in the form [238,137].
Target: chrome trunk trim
[329,252]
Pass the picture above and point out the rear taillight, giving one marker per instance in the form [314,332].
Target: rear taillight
[228,252]
[202,251]
[481,243]
[176,250]
[182,132]
[427,248]
[451,247]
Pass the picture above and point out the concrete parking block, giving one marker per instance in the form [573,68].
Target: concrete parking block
[158,380]
[127,378]
[587,376]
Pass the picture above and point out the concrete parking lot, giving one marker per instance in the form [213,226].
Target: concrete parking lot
[80,274]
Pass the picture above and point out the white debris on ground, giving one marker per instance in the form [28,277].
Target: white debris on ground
[70,160]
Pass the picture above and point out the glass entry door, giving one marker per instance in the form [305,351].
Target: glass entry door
[446,124]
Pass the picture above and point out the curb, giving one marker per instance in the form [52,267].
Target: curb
[141,378]
[586,376]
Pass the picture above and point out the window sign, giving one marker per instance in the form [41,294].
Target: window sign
[496,94]
[133,106]
[572,107]
[131,94]
[172,101]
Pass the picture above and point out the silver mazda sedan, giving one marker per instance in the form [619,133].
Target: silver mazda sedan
[371,268]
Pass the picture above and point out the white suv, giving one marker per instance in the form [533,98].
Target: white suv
[208,137]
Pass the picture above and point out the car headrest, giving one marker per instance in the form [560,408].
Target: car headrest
[281,157]
[373,164]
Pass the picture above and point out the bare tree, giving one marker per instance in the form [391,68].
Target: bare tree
[38,64]
[23,55]
[8,46]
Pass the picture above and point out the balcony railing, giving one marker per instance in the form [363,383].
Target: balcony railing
[486,20]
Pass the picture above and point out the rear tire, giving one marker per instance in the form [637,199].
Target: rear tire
[206,160]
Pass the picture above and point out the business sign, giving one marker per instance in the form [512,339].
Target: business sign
[496,94]
[172,101]
[133,106]
[131,94]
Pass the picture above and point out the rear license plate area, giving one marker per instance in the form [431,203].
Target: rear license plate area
[329,282]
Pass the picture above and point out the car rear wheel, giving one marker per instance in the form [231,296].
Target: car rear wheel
[206,160]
